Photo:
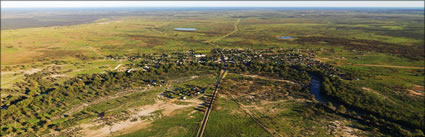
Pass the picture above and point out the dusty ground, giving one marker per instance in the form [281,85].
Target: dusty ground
[8,78]
[27,71]
[417,91]
[265,78]
[101,128]
[166,107]
[118,66]
[342,129]
[322,59]
[80,107]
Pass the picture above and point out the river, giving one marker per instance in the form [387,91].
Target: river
[315,89]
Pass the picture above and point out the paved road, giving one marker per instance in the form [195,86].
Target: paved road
[207,113]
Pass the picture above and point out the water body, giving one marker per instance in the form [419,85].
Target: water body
[185,29]
[315,89]
[286,37]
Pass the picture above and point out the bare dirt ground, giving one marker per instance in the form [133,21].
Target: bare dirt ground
[118,66]
[80,107]
[322,59]
[127,126]
[166,107]
[8,82]
[342,129]
[28,71]
[265,78]
[58,75]
[417,91]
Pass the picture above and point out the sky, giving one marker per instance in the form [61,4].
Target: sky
[71,4]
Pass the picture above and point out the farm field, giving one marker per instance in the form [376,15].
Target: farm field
[159,71]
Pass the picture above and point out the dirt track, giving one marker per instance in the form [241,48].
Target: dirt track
[264,78]
[236,29]
[273,132]
[118,66]
[208,112]
[80,107]
[388,66]
[127,126]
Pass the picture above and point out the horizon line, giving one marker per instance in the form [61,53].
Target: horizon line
[193,7]
[188,4]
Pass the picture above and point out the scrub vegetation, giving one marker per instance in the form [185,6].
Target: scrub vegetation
[128,72]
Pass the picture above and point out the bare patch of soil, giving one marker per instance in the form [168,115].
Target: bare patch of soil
[167,108]
[416,91]
[342,129]
[265,78]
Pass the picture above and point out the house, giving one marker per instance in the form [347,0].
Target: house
[226,58]
[146,67]
[154,82]
[200,55]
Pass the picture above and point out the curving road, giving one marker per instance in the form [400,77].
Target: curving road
[236,29]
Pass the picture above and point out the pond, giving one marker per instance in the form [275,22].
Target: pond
[286,37]
[185,29]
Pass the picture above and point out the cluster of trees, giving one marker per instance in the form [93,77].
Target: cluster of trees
[187,90]
[275,90]
[393,118]
[34,111]
[296,73]
[41,101]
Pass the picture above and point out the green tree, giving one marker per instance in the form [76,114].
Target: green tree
[341,109]
[330,106]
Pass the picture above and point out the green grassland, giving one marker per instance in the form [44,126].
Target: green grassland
[70,68]
[265,108]
[184,122]
[240,112]
[354,41]
[179,125]
[229,120]
[155,34]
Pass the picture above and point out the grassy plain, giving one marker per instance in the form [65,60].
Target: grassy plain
[151,33]
[368,43]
